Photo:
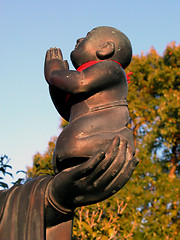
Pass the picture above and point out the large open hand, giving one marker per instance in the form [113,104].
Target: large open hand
[95,180]
[53,62]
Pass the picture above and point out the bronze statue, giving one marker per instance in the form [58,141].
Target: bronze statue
[43,207]
[93,98]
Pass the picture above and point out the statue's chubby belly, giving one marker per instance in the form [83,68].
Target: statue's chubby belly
[89,133]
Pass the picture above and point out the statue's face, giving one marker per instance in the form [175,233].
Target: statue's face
[85,49]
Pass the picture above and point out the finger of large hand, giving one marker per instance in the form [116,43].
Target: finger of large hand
[121,179]
[130,152]
[106,162]
[87,167]
[115,167]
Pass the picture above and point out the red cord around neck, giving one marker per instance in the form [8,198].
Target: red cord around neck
[91,63]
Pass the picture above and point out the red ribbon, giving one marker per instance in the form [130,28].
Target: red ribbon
[90,63]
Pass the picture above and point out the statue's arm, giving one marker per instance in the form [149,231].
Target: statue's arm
[93,79]
[53,62]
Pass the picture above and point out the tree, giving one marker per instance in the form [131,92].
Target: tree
[148,207]
[4,170]
[154,104]
[42,163]
[4,166]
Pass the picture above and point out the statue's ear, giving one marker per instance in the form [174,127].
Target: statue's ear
[106,50]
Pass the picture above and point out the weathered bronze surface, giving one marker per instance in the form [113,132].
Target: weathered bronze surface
[94,155]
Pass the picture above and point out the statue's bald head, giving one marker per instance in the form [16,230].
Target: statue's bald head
[102,43]
[122,46]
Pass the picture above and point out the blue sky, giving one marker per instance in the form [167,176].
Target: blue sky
[29,28]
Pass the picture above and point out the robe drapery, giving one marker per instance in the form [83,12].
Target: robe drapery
[22,211]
